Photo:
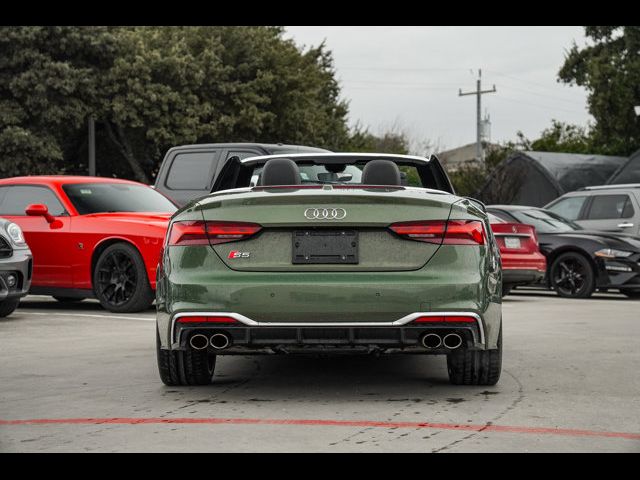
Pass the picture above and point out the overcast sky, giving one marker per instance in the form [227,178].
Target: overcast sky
[410,76]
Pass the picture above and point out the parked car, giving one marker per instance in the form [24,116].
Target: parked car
[522,262]
[15,267]
[580,261]
[315,261]
[90,236]
[610,208]
[187,172]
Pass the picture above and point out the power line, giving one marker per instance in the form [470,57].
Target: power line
[538,105]
[517,79]
[573,102]
[378,82]
[404,69]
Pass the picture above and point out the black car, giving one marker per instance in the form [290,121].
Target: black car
[580,261]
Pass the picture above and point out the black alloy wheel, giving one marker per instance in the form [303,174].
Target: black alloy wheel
[572,276]
[120,280]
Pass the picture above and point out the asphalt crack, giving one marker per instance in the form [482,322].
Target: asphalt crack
[509,408]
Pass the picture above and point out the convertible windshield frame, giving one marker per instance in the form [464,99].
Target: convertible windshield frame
[238,173]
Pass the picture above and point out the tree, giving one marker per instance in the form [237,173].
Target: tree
[175,85]
[47,89]
[150,88]
[609,68]
[393,140]
[562,137]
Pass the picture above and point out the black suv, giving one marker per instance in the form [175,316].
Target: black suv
[188,171]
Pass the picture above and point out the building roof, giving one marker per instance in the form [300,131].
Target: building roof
[456,157]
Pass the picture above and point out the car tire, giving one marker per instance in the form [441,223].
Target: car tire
[583,282]
[68,299]
[631,293]
[7,307]
[185,367]
[506,289]
[475,367]
[120,280]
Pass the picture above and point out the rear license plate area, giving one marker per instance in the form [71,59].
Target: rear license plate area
[512,242]
[325,247]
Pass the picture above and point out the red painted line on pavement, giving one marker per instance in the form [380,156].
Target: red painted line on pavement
[326,423]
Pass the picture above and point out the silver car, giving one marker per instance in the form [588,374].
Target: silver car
[608,208]
[16,266]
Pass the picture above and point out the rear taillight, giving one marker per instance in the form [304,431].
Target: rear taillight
[452,232]
[204,233]
[222,232]
[207,319]
[188,233]
[445,318]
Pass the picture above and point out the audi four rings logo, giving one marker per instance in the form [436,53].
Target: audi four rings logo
[325,213]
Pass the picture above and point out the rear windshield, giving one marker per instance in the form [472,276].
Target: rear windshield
[545,221]
[116,197]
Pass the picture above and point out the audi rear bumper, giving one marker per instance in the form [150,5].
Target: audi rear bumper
[401,336]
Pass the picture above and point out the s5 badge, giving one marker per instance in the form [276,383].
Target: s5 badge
[238,254]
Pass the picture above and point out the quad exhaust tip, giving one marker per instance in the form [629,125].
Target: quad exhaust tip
[452,341]
[431,340]
[198,342]
[219,341]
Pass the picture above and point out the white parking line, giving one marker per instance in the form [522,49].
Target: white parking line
[142,319]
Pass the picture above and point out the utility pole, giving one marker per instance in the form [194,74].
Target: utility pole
[92,147]
[478,93]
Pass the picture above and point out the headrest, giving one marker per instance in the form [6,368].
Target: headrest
[280,171]
[381,172]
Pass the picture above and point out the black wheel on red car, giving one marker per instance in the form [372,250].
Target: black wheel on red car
[8,306]
[631,293]
[68,299]
[475,367]
[189,367]
[120,280]
[572,276]
[506,289]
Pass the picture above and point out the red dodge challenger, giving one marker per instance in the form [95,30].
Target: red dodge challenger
[522,262]
[90,236]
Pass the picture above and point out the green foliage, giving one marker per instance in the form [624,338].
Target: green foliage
[150,88]
[392,141]
[47,87]
[563,137]
[609,68]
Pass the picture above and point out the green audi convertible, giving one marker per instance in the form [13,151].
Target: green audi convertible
[330,253]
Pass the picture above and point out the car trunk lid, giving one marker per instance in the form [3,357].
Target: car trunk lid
[326,229]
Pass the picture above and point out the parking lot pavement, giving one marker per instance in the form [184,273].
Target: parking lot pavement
[81,379]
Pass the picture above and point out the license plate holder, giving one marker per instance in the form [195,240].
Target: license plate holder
[325,247]
[512,242]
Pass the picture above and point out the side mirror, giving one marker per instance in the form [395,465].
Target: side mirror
[40,210]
